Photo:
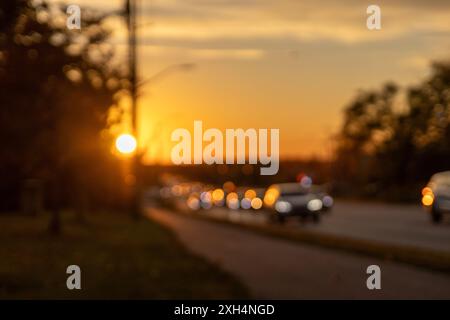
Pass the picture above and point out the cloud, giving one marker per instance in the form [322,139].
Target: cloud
[342,21]
[248,28]
[192,54]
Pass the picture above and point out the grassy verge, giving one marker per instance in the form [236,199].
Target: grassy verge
[425,258]
[119,259]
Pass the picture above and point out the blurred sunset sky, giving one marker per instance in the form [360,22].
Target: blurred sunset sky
[284,64]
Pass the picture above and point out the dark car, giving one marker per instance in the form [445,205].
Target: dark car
[436,196]
[291,199]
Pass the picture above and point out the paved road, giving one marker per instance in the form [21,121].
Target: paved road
[396,224]
[277,269]
[400,224]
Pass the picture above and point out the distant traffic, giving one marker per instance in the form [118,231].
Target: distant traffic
[278,202]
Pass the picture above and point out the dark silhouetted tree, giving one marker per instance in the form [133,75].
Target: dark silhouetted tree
[57,88]
[385,148]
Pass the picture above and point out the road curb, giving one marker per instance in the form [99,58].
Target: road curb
[420,257]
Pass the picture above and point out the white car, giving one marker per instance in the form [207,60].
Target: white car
[436,195]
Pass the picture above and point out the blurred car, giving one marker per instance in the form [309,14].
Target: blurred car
[436,196]
[292,199]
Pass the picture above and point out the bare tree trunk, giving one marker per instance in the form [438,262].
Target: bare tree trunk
[54,227]
[31,197]
[82,206]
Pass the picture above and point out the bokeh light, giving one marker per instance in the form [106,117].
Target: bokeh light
[256,203]
[250,194]
[246,203]
[427,200]
[271,196]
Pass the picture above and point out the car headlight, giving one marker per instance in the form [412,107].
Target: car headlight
[283,206]
[314,205]
[327,201]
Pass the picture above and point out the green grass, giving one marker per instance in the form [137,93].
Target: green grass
[119,259]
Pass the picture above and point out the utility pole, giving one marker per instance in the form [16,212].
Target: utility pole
[132,47]
[131,18]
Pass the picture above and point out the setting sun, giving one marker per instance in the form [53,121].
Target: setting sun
[126,143]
